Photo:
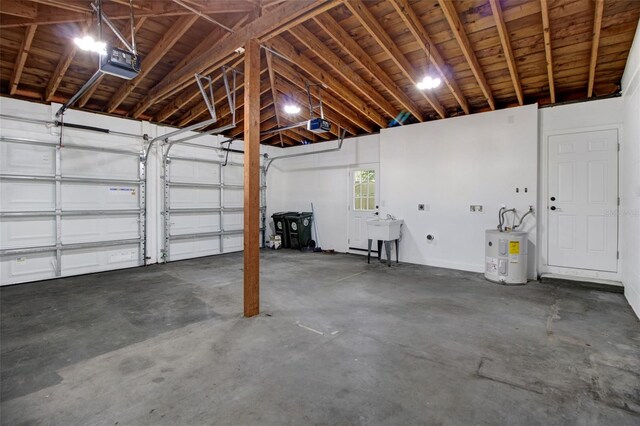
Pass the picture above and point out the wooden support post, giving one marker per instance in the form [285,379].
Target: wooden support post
[252,178]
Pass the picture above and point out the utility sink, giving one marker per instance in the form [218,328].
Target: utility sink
[384,229]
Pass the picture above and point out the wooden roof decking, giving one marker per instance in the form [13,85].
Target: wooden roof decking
[364,56]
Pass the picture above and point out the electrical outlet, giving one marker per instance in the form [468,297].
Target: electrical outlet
[476,208]
[421,207]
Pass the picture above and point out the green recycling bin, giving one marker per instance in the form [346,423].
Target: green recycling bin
[282,228]
[299,228]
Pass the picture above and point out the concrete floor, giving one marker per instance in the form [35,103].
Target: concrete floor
[338,342]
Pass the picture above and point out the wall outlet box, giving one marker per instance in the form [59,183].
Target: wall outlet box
[476,208]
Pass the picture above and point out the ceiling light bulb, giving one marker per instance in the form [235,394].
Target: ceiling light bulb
[89,44]
[291,109]
[428,83]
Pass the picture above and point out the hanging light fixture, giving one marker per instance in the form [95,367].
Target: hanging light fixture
[428,82]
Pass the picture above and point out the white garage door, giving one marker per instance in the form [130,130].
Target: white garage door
[68,210]
[203,202]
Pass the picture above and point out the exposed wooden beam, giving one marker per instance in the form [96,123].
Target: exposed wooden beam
[61,68]
[496,9]
[222,102]
[274,22]
[292,86]
[320,75]
[66,5]
[252,179]
[272,83]
[215,36]
[373,27]
[546,31]
[595,42]
[89,93]
[22,58]
[19,8]
[412,22]
[307,38]
[449,10]
[149,61]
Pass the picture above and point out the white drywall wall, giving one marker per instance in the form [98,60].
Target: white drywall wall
[322,179]
[630,181]
[449,165]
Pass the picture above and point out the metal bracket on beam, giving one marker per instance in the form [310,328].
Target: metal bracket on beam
[208,97]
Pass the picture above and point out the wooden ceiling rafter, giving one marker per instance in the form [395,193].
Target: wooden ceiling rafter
[496,9]
[19,8]
[375,29]
[546,31]
[22,58]
[215,36]
[272,83]
[166,42]
[340,36]
[307,38]
[220,97]
[597,26]
[450,13]
[268,25]
[321,76]
[411,20]
[289,83]
[61,68]
[190,95]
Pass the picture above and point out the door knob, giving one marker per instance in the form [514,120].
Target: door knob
[376,213]
[553,198]
[552,207]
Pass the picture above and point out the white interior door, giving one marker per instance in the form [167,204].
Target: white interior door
[365,199]
[583,200]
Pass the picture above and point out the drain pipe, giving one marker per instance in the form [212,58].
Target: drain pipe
[301,154]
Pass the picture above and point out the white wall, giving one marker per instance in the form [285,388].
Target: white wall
[450,165]
[447,164]
[573,118]
[322,179]
[630,182]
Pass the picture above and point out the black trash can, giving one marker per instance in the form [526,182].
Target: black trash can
[282,228]
[299,228]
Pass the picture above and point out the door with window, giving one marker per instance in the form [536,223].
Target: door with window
[365,196]
[583,200]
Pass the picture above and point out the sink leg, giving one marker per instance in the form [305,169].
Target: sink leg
[387,249]
[397,251]
[379,249]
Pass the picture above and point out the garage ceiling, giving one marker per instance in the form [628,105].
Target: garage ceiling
[363,57]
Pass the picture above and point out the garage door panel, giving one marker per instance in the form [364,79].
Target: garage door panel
[27,196]
[233,175]
[86,229]
[95,259]
[27,232]
[21,159]
[83,163]
[196,247]
[182,224]
[233,197]
[233,221]
[233,243]
[27,267]
[82,196]
[194,172]
[181,197]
